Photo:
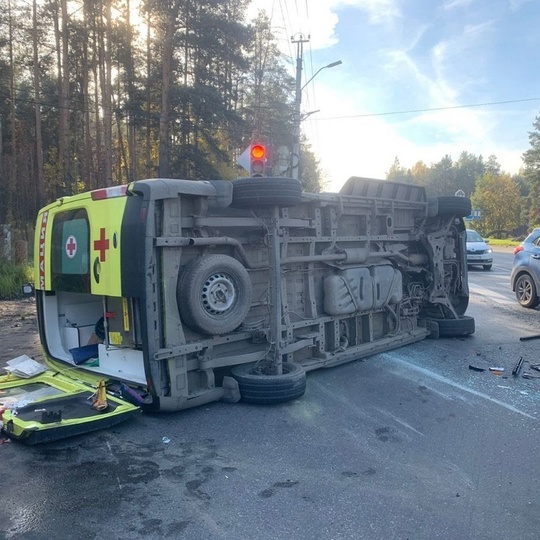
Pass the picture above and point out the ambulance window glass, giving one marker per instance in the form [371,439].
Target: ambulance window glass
[70,252]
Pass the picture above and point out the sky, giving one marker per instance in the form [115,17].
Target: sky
[419,79]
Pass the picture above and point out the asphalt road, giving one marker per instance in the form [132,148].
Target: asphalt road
[410,444]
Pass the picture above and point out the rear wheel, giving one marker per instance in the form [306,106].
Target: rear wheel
[526,291]
[257,387]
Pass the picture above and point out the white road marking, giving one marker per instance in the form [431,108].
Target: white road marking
[457,385]
[492,295]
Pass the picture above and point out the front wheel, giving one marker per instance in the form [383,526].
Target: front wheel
[526,291]
[487,266]
[454,206]
[461,327]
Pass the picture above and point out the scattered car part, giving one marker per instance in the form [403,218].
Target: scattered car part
[527,338]
[530,375]
[517,367]
[478,366]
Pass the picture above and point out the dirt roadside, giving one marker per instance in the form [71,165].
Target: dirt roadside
[18,331]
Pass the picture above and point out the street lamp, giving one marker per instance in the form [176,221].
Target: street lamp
[331,65]
[297,105]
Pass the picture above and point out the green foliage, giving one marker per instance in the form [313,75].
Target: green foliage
[531,160]
[12,278]
[397,173]
[310,172]
[497,197]
[444,177]
[468,168]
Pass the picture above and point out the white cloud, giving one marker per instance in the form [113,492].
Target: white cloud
[415,73]
[452,4]
[320,19]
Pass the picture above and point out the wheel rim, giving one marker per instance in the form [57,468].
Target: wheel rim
[218,294]
[525,290]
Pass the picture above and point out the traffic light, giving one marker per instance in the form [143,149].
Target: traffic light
[257,159]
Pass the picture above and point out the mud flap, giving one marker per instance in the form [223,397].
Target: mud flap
[51,407]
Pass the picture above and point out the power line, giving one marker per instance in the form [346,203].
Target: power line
[410,111]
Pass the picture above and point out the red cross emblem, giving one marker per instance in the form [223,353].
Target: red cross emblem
[71,246]
[101,245]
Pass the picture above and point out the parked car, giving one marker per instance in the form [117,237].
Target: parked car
[478,252]
[525,277]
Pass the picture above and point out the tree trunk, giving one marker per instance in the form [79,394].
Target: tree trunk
[88,169]
[106,97]
[131,165]
[40,188]
[13,121]
[63,135]
[148,146]
[164,120]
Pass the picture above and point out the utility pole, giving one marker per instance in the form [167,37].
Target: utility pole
[295,165]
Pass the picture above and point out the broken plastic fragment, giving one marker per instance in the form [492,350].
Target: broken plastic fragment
[478,366]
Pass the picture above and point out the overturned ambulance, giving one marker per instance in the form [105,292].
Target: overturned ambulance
[166,294]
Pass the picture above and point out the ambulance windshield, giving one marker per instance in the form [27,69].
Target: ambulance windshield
[70,252]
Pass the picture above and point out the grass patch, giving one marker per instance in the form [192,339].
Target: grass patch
[12,278]
[503,242]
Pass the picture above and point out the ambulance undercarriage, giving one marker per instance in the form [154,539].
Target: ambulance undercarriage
[236,289]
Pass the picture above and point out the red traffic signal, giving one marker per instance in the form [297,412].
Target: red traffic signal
[257,157]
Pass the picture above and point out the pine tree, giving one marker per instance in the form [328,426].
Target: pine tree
[531,160]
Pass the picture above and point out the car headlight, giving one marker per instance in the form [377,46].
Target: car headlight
[490,250]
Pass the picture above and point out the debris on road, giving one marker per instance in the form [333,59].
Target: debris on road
[478,366]
[25,367]
[527,338]
[517,367]
[530,375]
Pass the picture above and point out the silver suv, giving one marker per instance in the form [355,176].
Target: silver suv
[525,277]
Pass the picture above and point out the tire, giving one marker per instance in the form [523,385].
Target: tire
[256,387]
[464,326]
[214,294]
[526,292]
[487,266]
[454,206]
[266,191]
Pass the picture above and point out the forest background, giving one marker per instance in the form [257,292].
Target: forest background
[95,93]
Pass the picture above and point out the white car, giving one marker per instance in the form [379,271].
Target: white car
[478,251]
